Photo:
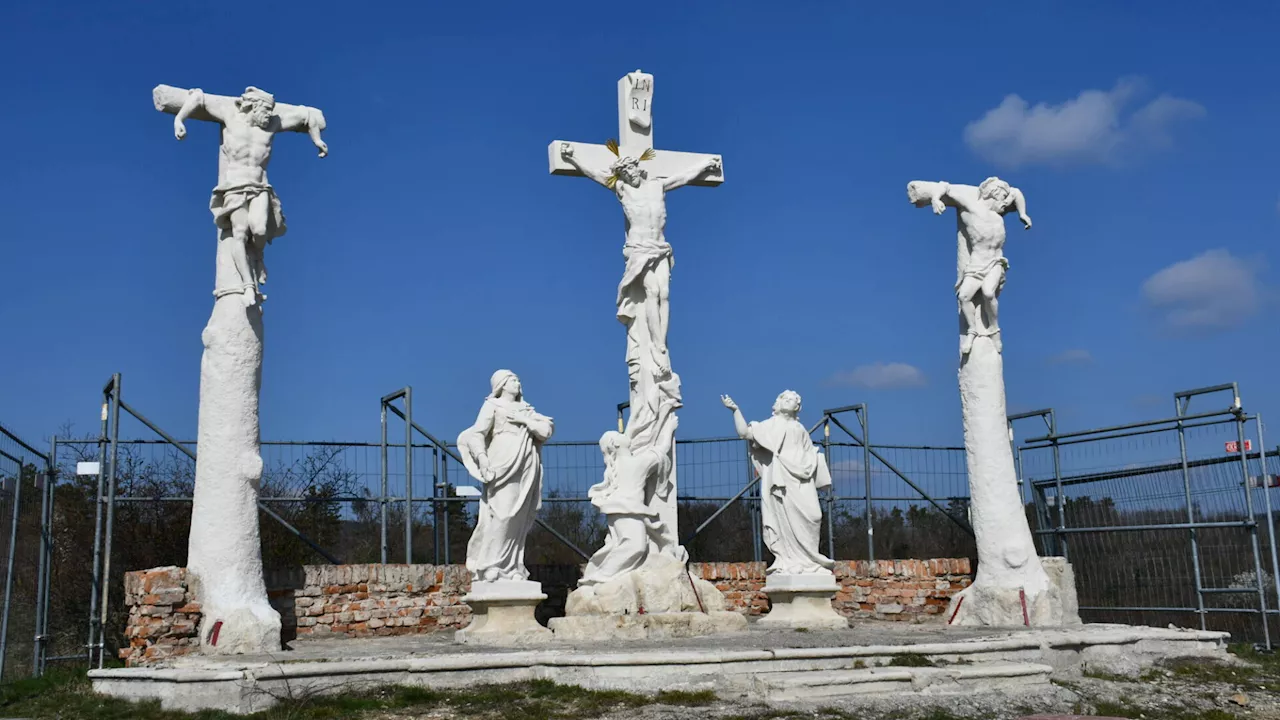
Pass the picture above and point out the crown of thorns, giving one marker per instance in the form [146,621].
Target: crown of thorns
[612,144]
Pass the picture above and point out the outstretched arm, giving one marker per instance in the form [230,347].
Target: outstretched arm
[566,152]
[301,117]
[667,435]
[195,101]
[1020,205]
[711,165]
[739,422]
[940,195]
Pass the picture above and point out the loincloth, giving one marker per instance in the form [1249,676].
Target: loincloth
[641,258]
[979,271]
[227,200]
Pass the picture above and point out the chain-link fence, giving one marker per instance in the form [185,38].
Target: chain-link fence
[122,501]
[1167,521]
[22,503]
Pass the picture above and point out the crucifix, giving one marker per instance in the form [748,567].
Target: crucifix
[640,176]
[224,553]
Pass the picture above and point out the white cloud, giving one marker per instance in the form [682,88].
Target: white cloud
[1077,356]
[1096,126]
[881,376]
[1212,291]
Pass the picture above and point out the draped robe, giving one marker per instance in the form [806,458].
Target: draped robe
[509,503]
[791,470]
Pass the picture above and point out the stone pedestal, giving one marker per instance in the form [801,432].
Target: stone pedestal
[502,613]
[802,601]
[657,626]
[661,599]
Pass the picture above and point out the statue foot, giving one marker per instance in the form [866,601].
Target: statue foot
[995,340]
[249,297]
[966,344]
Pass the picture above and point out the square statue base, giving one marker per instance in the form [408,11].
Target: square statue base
[802,601]
[502,614]
[654,626]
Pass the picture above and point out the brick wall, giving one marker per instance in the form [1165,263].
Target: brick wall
[911,590]
[379,600]
[163,615]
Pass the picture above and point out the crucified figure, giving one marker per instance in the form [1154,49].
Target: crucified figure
[244,205]
[981,264]
[649,260]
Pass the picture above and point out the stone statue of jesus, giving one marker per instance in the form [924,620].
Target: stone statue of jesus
[244,205]
[981,263]
[646,281]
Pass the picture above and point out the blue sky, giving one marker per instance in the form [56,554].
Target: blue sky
[432,247]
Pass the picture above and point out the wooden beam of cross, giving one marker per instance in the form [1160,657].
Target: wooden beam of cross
[635,135]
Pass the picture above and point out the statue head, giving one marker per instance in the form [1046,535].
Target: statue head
[788,403]
[997,193]
[257,104]
[504,383]
[613,444]
[627,169]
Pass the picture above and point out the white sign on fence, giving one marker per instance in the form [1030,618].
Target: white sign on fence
[1233,446]
[87,468]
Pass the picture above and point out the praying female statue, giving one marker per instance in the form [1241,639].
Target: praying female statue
[503,450]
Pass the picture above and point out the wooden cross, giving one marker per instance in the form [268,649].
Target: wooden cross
[635,135]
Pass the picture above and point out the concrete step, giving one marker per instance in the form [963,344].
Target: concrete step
[808,684]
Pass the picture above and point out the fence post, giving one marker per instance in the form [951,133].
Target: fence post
[408,475]
[444,495]
[444,473]
[1059,498]
[831,493]
[98,500]
[1191,519]
[865,420]
[8,573]
[44,562]
[111,520]
[382,493]
[1266,501]
[1253,527]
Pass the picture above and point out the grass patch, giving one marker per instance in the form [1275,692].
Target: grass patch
[687,698]
[68,695]
[910,660]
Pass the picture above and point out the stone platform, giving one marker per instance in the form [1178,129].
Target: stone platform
[658,626]
[771,665]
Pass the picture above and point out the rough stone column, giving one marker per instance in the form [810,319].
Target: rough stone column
[224,556]
[1007,560]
